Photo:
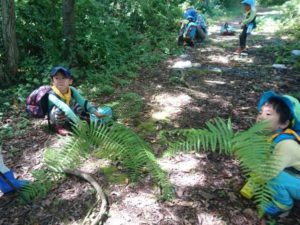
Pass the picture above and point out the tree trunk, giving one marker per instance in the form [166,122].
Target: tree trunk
[69,28]
[3,77]
[9,40]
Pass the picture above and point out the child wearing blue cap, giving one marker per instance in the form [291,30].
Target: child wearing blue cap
[283,114]
[193,27]
[65,104]
[248,24]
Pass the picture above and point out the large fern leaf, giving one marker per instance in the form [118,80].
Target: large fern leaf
[217,135]
[251,147]
[122,143]
[114,142]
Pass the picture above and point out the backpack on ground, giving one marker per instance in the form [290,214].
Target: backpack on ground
[37,102]
[227,30]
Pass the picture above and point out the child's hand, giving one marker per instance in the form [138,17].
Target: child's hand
[99,115]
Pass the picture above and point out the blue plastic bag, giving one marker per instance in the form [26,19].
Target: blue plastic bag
[105,110]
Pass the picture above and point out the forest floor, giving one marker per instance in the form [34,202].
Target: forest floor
[205,82]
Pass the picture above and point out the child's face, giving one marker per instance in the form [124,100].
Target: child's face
[247,7]
[61,82]
[269,114]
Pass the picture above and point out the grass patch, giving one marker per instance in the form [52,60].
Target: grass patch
[113,175]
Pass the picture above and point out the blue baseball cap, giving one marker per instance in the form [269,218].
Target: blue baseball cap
[249,2]
[291,102]
[61,69]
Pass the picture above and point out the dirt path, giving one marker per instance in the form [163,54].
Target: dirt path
[184,91]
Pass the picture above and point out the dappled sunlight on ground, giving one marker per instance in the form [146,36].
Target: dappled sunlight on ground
[257,46]
[188,179]
[214,82]
[167,105]
[198,94]
[243,59]
[224,39]
[269,13]
[182,64]
[142,200]
[137,202]
[215,29]
[221,101]
[211,49]
[209,219]
[69,193]
[219,59]
[186,172]
[270,26]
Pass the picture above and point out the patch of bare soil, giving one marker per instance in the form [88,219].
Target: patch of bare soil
[205,82]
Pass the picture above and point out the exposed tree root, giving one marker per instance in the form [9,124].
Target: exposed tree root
[101,216]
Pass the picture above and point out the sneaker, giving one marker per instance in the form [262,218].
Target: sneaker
[239,51]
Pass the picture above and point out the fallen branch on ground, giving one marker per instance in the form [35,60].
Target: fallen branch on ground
[102,214]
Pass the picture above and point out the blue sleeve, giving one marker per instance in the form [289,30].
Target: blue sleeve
[81,101]
[53,100]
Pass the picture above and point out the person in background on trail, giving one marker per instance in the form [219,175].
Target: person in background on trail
[8,182]
[193,27]
[248,24]
[65,104]
[283,114]
[227,29]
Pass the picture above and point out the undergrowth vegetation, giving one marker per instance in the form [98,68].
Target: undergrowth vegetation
[114,39]
[286,24]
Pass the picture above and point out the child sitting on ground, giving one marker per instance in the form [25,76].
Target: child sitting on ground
[193,28]
[65,103]
[282,113]
[248,24]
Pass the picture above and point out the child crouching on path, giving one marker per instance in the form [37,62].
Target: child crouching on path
[65,103]
[283,114]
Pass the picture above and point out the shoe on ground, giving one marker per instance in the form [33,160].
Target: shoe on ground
[239,51]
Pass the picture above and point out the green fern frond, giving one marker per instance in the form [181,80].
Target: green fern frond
[44,182]
[119,141]
[262,197]
[218,134]
[70,156]
[251,147]
[115,141]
